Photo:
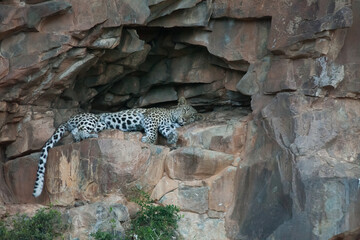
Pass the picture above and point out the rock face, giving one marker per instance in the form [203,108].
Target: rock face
[277,156]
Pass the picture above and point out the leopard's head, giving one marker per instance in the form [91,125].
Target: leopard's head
[185,114]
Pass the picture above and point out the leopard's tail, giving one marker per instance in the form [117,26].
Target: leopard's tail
[39,183]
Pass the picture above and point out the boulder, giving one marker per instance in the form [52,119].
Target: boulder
[197,16]
[199,226]
[26,16]
[221,189]
[32,133]
[218,43]
[194,199]
[20,175]
[190,163]
[91,218]
[164,186]
[92,168]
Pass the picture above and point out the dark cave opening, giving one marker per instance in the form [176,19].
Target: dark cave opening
[152,67]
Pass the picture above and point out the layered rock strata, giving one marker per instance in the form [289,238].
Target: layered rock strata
[289,169]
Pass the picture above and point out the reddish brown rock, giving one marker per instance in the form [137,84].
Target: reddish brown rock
[296,155]
[4,67]
[6,196]
[193,68]
[218,40]
[91,168]
[221,189]
[280,77]
[31,134]
[164,186]
[221,132]
[20,175]
[113,13]
[349,235]
[163,8]
[23,17]
[193,225]
[196,16]
[89,219]
[192,163]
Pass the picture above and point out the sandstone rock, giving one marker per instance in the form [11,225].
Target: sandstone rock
[27,209]
[232,9]
[130,43]
[194,67]
[349,58]
[115,13]
[25,17]
[296,155]
[197,16]
[6,196]
[95,217]
[112,71]
[135,59]
[278,81]
[221,189]
[164,7]
[272,205]
[198,226]
[320,170]
[190,163]
[74,172]
[4,67]
[8,133]
[20,175]
[194,199]
[32,133]
[208,89]
[243,48]
[127,85]
[164,186]
[171,198]
[48,45]
[158,95]
[250,83]
[221,132]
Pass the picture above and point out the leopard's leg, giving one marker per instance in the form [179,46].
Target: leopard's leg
[151,131]
[82,133]
[86,134]
[169,132]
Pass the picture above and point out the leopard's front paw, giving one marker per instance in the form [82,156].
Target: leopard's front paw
[172,138]
[147,139]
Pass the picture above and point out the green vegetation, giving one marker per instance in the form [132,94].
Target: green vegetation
[152,221]
[46,224]
[100,235]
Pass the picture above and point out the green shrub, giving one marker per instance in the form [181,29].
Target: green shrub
[100,235]
[44,225]
[152,221]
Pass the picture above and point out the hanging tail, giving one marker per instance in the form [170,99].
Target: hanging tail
[39,183]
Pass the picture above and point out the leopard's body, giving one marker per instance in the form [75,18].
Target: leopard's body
[151,121]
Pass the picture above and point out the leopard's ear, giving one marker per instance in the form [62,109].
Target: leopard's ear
[182,101]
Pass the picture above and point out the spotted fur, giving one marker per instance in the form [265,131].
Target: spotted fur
[151,121]
[81,126]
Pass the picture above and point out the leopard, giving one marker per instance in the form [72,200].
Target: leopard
[149,120]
